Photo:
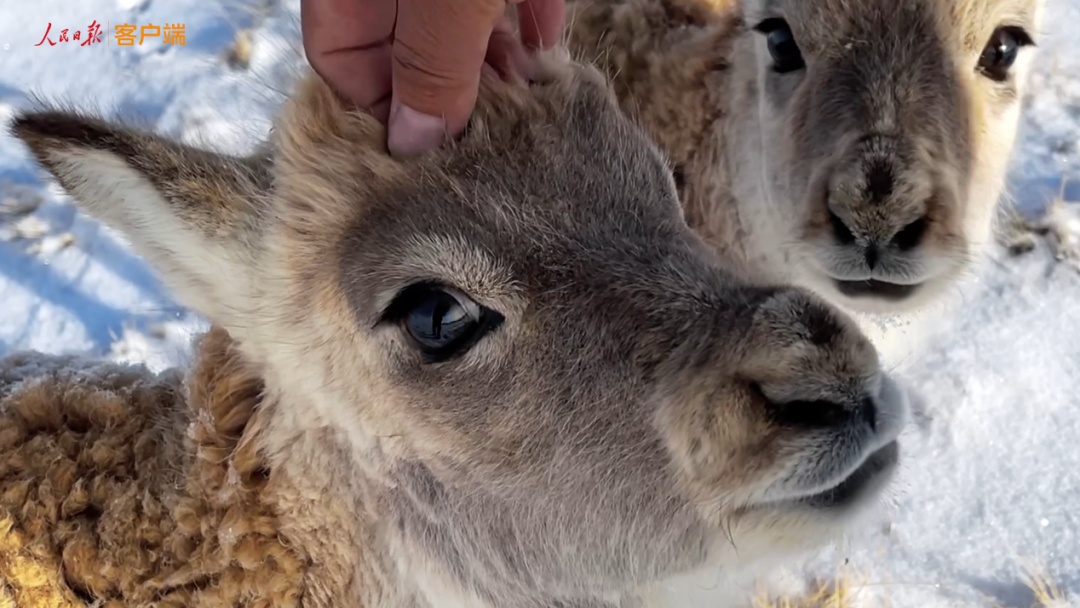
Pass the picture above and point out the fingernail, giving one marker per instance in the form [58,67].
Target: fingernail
[413,132]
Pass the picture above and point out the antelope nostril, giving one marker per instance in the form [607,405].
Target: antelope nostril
[867,413]
[812,414]
[843,234]
[679,175]
[911,235]
[879,182]
[872,256]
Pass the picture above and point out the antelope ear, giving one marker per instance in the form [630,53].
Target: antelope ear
[195,215]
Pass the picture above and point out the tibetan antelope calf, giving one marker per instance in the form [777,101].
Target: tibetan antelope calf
[506,374]
[854,147]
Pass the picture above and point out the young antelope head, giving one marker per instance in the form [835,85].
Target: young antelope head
[889,125]
[546,390]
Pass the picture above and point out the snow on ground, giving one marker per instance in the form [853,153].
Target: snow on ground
[991,485]
[78,286]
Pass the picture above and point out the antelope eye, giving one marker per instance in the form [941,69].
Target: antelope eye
[785,52]
[1000,52]
[440,321]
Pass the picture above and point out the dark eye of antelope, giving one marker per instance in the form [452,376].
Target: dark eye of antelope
[1000,52]
[441,322]
[786,55]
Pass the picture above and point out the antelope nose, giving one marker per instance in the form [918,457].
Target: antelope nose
[826,414]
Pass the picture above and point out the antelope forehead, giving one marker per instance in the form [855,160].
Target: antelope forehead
[966,22]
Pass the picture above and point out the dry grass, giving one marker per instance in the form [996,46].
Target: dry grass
[825,594]
[840,592]
[843,592]
[1046,592]
[1021,235]
[238,55]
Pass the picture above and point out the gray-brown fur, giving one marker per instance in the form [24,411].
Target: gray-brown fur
[890,126]
[637,413]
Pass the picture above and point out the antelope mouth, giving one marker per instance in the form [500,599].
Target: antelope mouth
[873,288]
[867,479]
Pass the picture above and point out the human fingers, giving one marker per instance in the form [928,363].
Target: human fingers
[541,22]
[348,43]
[506,58]
[438,53]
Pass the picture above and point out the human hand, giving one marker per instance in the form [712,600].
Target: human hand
[416,64]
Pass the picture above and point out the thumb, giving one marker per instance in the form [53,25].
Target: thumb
[439,50]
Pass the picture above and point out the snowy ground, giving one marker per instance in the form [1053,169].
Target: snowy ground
[992,485]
